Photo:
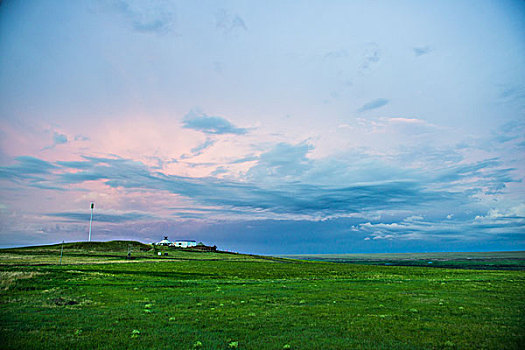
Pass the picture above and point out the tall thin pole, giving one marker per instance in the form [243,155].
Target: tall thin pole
[61,251]
[91,220]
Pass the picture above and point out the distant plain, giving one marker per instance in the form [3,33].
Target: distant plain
[513,260]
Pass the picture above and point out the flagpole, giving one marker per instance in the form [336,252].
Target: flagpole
[91,220]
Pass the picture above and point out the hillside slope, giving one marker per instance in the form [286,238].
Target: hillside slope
[113,251]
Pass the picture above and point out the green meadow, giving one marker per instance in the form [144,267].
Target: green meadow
[202,300]
[472,260]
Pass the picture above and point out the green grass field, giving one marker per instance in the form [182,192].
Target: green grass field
[490,261]
[194,300]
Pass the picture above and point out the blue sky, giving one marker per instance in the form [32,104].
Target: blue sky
[266,127]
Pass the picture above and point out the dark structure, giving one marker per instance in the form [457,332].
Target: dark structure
[204,248]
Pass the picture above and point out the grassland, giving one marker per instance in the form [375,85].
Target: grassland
[473,260]
[190,300]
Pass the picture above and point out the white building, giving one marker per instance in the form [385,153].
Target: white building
[165,241]
[184,243]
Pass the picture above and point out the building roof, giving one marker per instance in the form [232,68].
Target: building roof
[184,240]
[165,241]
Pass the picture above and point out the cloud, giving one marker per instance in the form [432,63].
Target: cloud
[488,177]
[199,149]
[435,158]
[285,183]
[147,16]
[514,93]
[470,170]
[285,198]
[371,56]
[81,138]
[249,158]
[516,212]
[213,125]
[58,139]
[34,172]
[377,103]
[101,217]
[220,170]
[412,127]
[26,168]
[203,146]
[406,120]
[420,51]
[281,162]
[275,198]
[228,22]
[336,54]
[513,130]
[74,164]
[472,227]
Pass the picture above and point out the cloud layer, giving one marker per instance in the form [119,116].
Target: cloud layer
[279,197]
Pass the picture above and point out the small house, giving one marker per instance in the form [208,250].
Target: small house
[184,243]
[165,242]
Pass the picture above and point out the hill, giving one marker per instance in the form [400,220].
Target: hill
[112,251]
[108,246]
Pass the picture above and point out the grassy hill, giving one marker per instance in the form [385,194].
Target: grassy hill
[109,246]
[202,300]
[111,251]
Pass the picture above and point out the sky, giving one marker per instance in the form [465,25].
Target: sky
[270,127]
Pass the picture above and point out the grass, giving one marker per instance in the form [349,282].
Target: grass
[104,252]
[490,261]
[192,300]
